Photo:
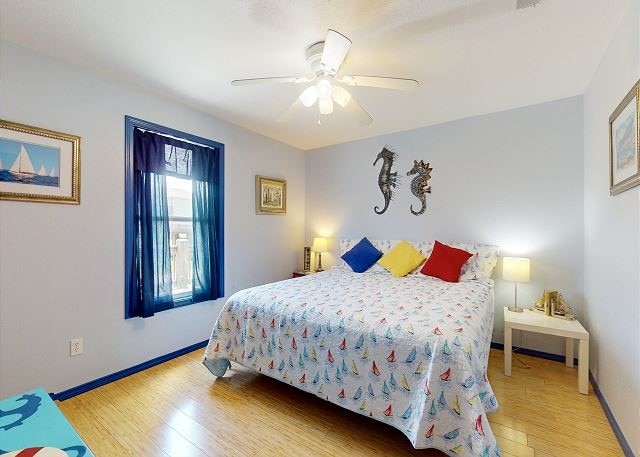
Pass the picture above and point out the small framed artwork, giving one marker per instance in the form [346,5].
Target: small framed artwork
[624,150]
[38,165]
[271,195]
[306,264]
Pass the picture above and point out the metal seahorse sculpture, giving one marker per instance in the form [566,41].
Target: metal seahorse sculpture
[387,180]
[420,184]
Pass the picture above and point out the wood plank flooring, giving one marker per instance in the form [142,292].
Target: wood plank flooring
[179,409]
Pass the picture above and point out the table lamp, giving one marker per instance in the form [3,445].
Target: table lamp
[515,269]
[319,246]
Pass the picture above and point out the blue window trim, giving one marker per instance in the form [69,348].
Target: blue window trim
[130,123]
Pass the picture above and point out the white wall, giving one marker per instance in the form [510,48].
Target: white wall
[62,266]
[513,179]
[612,239]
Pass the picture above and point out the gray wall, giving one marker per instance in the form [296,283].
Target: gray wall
[514,179]
[612,239]
[62,266]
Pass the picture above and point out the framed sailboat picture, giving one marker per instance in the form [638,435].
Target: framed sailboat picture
[271,195]
[624,143]
[38,165]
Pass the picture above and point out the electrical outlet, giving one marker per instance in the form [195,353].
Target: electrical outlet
[75,347]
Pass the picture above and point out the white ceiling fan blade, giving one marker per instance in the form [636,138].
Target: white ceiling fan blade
[336,46]
[325,105]
[382,82]
[295,106]
[272,79]
[354,108]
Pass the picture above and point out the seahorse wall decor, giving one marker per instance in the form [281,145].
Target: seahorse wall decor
[420,184]
[387,180]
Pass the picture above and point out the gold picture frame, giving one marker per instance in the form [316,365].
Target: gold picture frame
[624,143]
[271,195]
[38,165]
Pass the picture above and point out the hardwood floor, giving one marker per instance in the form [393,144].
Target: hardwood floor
[179,409]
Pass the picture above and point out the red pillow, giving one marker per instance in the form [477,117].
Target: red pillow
[445,262]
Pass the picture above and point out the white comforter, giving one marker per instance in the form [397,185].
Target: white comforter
[411,352]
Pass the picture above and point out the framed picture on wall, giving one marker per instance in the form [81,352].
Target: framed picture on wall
[624,150]
[38,165]
[271,195]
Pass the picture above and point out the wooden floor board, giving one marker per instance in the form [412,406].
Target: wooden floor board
[178,409]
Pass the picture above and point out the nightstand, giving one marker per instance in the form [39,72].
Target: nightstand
[299,274]
[533,321]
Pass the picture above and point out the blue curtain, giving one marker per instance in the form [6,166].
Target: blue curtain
[153,256]
[206,284]
[156,156]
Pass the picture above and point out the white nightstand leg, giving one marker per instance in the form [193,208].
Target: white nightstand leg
[583,367]
[568,352]
[507,351]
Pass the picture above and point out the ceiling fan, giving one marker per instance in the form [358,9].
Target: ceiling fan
[325,59]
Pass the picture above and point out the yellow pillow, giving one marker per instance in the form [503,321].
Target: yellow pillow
[402,259]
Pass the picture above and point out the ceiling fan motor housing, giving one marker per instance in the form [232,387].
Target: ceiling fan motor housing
[314,55]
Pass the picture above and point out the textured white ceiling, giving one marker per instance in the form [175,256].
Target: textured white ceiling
[470,56]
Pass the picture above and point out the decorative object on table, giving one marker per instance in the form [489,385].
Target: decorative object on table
[562,308]
[32,424]
[306,261]
[420,184]
[552,303]
[515,269]
[319,246]
[324,59]
[550,298]
[624,149]
[387,180]
[271,195]
[38,165]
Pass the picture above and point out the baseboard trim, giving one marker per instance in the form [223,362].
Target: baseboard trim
[66,394]
[534,353]
[626,449]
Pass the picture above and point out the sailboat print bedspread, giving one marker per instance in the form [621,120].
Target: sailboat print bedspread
[411,352]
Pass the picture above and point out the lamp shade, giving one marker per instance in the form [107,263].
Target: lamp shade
[319,245]
[515,269]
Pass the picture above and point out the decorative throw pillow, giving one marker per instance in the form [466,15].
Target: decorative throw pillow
[445,262]
[361,256]
[481,265]
[401,259]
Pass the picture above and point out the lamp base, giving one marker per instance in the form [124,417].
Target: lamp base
[515,309]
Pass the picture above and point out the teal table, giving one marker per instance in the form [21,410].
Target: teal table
[31,425]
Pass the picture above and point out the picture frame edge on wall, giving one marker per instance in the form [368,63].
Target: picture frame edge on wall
[74,197]
[634,180]
[264,210]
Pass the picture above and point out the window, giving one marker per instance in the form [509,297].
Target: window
[174,198]
[179,194]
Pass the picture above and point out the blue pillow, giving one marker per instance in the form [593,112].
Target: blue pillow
[362,256]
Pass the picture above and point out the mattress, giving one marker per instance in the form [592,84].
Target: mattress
[411,352]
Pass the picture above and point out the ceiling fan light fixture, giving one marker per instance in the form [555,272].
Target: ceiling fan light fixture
[340,95]
[325,105]
[309,96]
[324,88]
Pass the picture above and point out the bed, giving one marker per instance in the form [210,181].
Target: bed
[411,352]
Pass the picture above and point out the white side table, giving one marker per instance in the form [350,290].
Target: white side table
[537,322]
